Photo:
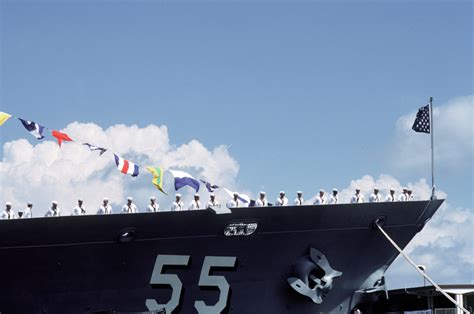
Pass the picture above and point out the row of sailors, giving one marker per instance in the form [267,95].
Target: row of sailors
[321,199]
[235,202]
[106,209]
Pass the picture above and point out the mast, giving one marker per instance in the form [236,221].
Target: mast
[433,196]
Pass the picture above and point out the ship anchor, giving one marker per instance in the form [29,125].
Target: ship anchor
[313,276]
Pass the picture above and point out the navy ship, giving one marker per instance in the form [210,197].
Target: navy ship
[294,259]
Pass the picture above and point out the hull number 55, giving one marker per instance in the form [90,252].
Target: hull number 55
[205,280]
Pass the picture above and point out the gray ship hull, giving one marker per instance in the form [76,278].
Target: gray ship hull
[111,263]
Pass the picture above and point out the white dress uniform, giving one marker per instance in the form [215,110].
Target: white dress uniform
[26,213]
[298,201]
[194,205]
[402,197]
[357,198]
[390,198]
[104,210]
[153,208]
[8,214]
[375,198]
[213,204]
[333,199]
[261,203]
[233,204]
[281,201]
[129,209]
[77,211]
[320,200]
[52,213]
[177,206]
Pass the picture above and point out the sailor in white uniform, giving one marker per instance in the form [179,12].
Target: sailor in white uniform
[357,197]
[177,205]
[8,213]
[375,197]
[129,207]
[196,203]
[27,211]
[54,210]
[391,197]
[410,196]
[213,202]
[282,200]
[262,201]
[105,208]
[234,202]
[321,198]
[299,201]
[79,209]
[153,207]
[334,198]
[403,196]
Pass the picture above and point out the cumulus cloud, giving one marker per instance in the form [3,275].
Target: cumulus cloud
[454,138]
[44,172]
[421,189]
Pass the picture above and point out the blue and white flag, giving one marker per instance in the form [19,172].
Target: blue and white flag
[95,148]
[182,178]
[210,187]
[241,197]
[34,128]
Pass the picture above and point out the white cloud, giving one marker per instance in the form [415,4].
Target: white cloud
[43,172]
[453,136]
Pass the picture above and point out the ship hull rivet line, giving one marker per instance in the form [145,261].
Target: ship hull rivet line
[410,261]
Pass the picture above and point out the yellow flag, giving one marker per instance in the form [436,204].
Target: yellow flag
[4,117]
[157,173]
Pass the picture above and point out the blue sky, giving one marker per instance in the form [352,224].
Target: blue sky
[304,94]
[317,86]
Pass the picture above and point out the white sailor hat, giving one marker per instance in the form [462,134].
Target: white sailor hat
[335,190]
[262,193]
[282,192]
[321,190]
[392,189]
[404,188]
[299,192]
[80,200]
[129,198]
[152,198]
[236,194]
[29,204]
[8,204]
[178,195]
[357,189]
[212,194]
[55,202]
[106,199]
[376,188]
[196,195]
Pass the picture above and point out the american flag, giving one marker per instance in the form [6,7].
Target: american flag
[422,121]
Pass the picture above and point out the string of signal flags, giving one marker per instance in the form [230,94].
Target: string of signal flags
[423,124]
[181,178]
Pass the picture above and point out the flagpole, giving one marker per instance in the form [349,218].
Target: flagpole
[432,150]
